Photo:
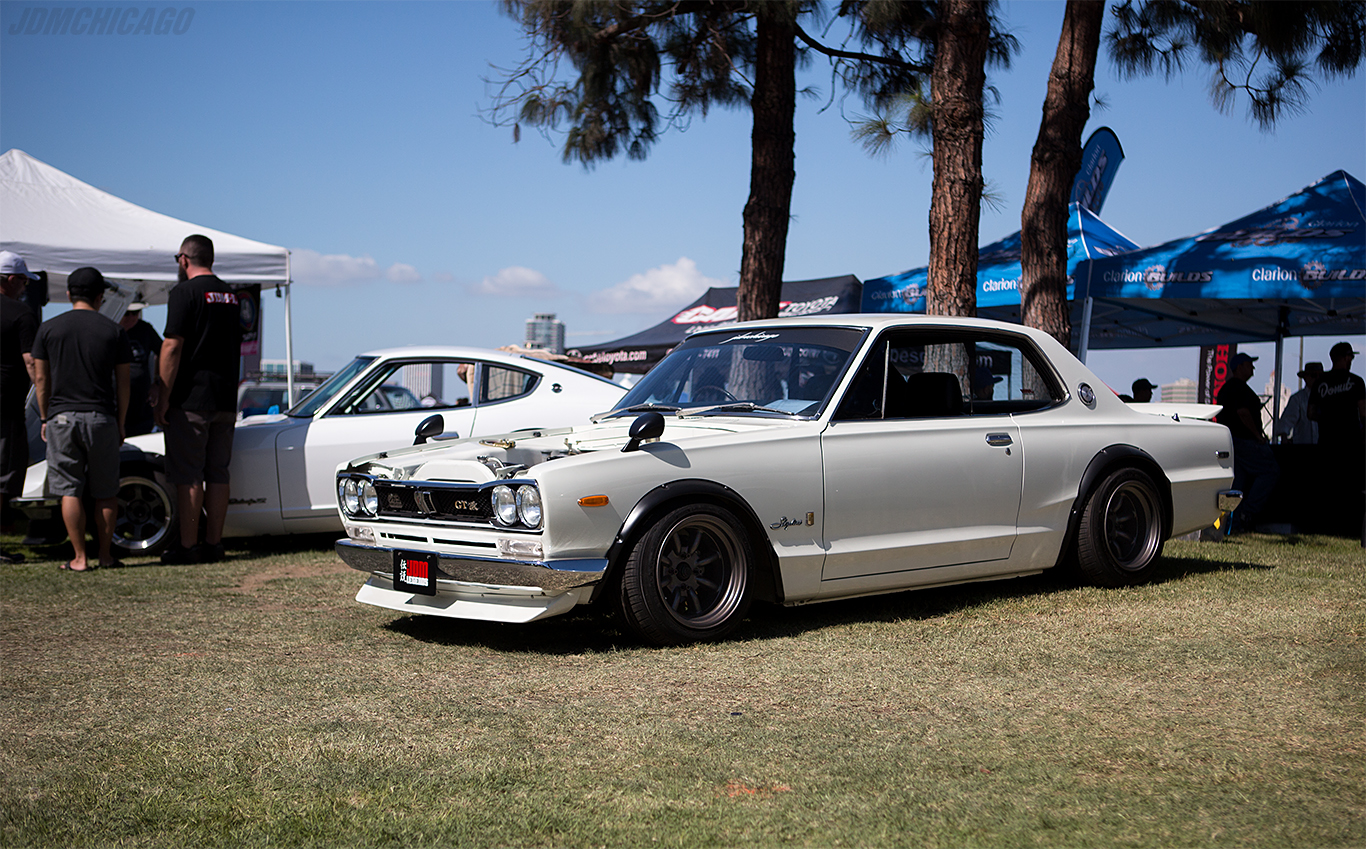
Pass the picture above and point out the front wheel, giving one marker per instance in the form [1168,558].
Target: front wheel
[688,577]
[1120,535]
[146,519]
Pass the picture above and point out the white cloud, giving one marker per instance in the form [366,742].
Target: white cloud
[657,290]
[401,272]
[314,269]
[515,282]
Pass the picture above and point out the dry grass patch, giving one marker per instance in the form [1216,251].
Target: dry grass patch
[253,702]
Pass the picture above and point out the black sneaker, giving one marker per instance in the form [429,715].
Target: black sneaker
[179,555]
[9,557]
[207,552]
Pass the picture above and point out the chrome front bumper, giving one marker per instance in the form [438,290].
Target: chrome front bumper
[1229,499]
[550,576]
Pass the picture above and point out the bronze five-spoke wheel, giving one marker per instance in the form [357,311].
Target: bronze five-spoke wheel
[1120,536]
[688,577]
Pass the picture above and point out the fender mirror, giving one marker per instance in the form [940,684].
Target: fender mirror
[429,427]
[646,428]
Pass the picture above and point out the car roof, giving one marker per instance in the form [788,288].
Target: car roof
[461,352]
[877,321]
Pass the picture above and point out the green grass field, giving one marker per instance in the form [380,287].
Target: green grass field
[254,703]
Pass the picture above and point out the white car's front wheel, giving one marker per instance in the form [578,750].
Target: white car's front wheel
[688,577]
[146,513]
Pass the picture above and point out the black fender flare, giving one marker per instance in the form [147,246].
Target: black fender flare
[1108,459]
[768,578]
[131,455]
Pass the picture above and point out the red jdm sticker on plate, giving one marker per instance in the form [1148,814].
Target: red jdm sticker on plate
[415,572]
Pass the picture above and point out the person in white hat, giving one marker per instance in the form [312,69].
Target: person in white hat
[142,383]
[18,327]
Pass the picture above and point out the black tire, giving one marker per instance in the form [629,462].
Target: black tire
[688,578]
[146,521]
[1120,537]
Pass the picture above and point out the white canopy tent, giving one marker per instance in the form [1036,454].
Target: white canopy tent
[58,224]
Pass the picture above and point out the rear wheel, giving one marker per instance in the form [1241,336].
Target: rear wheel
[1120,536]
[146,521]
[688,577]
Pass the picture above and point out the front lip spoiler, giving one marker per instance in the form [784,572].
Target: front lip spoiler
[553,576]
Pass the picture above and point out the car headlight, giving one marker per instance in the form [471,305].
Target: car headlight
[368,498]
[350,499]
[529,506]
[505,505]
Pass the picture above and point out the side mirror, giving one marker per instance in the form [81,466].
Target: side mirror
[646,427]
[430,426]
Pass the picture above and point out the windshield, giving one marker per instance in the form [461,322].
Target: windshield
[785,370]
[322,396]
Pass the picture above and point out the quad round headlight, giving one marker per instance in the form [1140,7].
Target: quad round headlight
[529,506]
[505,505]
[368,497]
[350,500]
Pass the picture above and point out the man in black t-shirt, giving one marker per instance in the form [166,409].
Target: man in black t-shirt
[18,326]
[197,398]
[1339,402]
[146,344]
[1255,470]
[80,364]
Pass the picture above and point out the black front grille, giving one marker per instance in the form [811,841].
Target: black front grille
[451,503]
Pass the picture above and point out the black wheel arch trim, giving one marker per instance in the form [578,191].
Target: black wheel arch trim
[1107,460]
[133,455]
[768,579]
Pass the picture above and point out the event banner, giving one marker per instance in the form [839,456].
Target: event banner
[1214,370]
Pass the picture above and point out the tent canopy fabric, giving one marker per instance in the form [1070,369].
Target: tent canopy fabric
[58,224]
[998,267]
[1294,268]
[639,352]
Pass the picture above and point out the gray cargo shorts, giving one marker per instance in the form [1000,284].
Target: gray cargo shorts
[83,449]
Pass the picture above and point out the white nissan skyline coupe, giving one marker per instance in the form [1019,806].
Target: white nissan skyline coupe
[794,460]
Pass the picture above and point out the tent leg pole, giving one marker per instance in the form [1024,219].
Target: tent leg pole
[289,336]
[1085,329]
[1280,362]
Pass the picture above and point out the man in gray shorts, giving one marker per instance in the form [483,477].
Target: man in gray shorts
[81,362]
[197,402]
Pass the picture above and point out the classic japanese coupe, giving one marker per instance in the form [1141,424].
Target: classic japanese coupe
[283,465]
[791,461]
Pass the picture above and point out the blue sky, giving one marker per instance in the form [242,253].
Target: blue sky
[351,133]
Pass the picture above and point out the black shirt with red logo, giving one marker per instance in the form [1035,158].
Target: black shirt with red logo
[203,312]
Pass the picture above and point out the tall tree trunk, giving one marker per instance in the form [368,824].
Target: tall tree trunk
[956,83]
[772,168]
[1052,168]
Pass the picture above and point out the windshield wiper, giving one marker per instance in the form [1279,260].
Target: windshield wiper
[648,407]
[736,407]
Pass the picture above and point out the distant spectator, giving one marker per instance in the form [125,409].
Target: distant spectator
[1143,391]
[197,398]
[1254,466]
[1339,402]
[1294,424]
[18,326]
[81,367]
[146,345]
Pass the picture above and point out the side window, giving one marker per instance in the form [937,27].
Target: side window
[940,374]
[501,383]
[412,386]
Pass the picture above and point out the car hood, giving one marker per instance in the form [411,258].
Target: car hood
[483,459]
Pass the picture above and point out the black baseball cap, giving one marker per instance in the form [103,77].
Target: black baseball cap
[86,282]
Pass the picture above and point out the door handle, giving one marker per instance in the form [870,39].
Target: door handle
[999,440]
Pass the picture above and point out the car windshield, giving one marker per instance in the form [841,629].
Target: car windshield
[789,371]
[322,396]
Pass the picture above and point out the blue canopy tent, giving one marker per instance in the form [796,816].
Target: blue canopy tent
[1294,268]
[998,269]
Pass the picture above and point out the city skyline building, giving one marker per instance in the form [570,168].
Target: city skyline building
[545,331]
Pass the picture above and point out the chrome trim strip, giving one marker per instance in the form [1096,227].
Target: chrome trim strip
[549,575]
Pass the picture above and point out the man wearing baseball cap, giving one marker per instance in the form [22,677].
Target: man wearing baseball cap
[1339,402]
[1143,391]
[18,326]
[80,363]
[1254,466]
